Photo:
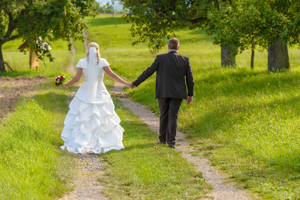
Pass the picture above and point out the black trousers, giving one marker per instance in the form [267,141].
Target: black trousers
[169,109]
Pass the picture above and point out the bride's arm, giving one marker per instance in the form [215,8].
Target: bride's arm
[75,79]
[114,76]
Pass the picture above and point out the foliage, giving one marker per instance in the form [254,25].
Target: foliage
[259,22]
[154,21]
[19,62]
[36,21]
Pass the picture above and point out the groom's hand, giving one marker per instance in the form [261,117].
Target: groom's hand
[189,99]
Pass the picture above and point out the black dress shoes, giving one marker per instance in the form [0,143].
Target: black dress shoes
[171,146]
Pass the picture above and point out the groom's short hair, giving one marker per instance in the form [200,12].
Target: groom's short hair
[173,43]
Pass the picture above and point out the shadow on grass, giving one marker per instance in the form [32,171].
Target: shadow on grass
[58,99]
[223,99]
[202,37]
[243,82]
[220,119]
[22,73]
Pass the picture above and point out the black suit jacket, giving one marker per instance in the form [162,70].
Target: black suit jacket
[172,72]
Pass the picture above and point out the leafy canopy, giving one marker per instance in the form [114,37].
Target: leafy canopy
[261,22]
[155,20]
[47,19]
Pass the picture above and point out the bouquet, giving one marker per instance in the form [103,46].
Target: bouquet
[59,80]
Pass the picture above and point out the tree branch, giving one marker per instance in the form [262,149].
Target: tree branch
[276,30]
[11,25]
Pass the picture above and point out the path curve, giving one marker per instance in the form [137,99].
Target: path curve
[221,190]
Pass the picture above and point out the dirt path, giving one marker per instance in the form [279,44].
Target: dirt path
[87,185]
[71,67]
[221,190]
[12,88]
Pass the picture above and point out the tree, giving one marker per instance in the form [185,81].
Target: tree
[268,24]
[155,20]
[47,19]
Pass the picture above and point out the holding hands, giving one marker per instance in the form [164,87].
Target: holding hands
[130,85]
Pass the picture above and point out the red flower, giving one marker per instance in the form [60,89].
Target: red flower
[59,80]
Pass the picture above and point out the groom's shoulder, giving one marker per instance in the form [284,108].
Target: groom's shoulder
[178,54]
[168,54]
[161,55]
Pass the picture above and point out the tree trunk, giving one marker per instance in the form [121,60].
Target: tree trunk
[2,67]
[228,55]
[252,58]
[278,57]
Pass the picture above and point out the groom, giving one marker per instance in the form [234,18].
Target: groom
[173,77]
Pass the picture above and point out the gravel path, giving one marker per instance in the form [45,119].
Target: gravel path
[87,185]
[221,190]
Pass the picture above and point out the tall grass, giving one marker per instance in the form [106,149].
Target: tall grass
[31,164]
[247,121]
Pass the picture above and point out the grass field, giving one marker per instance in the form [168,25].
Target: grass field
[246,121]
[19,61]
[147,170]
[31,165]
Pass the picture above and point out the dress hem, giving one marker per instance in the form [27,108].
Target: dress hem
[90,151]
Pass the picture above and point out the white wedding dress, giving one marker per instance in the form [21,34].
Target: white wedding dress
[92,127]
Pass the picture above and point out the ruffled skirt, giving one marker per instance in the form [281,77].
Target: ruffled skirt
[92,127]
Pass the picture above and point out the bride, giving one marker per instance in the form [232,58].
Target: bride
[92,125]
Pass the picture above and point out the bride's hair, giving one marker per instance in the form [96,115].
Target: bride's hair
[93,44]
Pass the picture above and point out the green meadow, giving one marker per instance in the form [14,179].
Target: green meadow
[31,165]
[147,170]
[246,121]
[19,61]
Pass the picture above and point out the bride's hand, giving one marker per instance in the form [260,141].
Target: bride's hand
[130,85]
[63,85]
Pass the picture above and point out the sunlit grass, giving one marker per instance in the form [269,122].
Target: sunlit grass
[147,170]
[247,121]
[19,61]
[31,164]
